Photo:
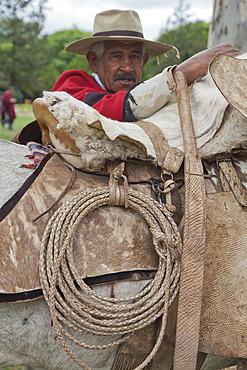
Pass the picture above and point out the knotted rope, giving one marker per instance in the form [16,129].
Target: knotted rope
[73,304]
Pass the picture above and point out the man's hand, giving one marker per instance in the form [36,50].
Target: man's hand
[197,66]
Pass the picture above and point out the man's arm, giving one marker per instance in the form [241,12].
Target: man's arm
[154,93]
[197,66]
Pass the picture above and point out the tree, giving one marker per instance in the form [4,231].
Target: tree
[189,39]
[180,16]
[21,22]
[61,59]
[229,24]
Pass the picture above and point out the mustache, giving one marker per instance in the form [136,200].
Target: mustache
[125,76]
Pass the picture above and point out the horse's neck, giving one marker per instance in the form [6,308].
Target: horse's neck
[12,156]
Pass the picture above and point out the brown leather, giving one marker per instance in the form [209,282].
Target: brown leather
[137,170]
[194,240]
[229,174]
[59,138]
[135,349]
[30,132]
[20,237]
[223,321]
[169,159]
[229,75]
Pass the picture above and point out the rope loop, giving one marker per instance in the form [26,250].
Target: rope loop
[74,305]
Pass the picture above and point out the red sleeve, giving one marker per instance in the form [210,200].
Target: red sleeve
[83,87]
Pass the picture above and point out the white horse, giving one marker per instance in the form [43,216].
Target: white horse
[27,337]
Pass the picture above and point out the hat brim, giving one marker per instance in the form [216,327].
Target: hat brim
[83,46]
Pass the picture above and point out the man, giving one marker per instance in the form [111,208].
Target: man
[117,53]
[8,107]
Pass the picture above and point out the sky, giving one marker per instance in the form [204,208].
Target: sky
[67,14]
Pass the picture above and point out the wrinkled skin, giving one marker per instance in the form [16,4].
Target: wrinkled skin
[121,65]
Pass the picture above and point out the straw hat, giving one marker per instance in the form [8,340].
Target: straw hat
[123,25]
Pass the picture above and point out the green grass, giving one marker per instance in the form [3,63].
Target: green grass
[23,117]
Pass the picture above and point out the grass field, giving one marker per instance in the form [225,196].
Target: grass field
[23,116]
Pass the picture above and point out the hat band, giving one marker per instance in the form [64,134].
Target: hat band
[119,33]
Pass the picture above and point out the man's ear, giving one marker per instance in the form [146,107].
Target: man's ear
[145,59]
[93,61]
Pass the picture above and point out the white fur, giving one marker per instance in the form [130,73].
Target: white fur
[207,108]
[27,337]
[96,145]
[231,135]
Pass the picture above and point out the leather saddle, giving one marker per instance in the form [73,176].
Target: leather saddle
[116,239]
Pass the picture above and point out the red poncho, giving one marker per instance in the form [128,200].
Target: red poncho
[83,87]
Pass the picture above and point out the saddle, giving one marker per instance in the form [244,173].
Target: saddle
[222,320]
[96,239]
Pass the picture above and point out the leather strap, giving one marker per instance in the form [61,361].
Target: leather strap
[168,158]
[192,267]
[229,178]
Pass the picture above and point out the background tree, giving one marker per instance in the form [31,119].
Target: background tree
[61,59]
[22,59]
[189,37]
[229,23]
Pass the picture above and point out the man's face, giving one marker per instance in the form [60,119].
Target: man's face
[121,65]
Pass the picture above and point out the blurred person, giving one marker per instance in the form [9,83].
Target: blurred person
[8,108]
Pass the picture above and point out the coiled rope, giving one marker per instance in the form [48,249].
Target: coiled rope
[73,304]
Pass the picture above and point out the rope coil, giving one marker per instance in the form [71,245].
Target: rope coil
[83,309]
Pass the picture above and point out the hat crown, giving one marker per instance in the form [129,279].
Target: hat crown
[120,25]
[117,20]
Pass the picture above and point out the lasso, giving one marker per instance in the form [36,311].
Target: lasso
[73,304]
